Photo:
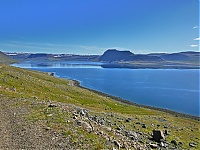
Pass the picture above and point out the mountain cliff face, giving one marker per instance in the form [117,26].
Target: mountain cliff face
[115,55]
[112,55]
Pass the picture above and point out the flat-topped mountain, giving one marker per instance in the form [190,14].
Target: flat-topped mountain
[115,55]
[112,55]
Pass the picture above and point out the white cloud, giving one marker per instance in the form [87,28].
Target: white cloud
[193,45]
[197,39]
[195,27]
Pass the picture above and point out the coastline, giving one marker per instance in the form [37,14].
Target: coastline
[119,99]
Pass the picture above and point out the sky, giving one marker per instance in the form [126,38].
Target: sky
[93,26]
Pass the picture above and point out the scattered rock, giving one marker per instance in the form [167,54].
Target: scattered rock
[118,128]
[141,133]
[14,89]
[108,128]
[144,126]
[153,145]
[82,113]
[180,143]
[47,128]
[116,143]
[166,132]
[174,142]
[158,135]
[95,118]
[165,126]
[162,144]
[100,132]
[52,105]
[85,125]
[128,120]
[74,117]
[49,115]
[192,144]
[51,73]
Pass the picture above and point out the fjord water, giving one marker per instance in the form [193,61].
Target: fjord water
[173,89]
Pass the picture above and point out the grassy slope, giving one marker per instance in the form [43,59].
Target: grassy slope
[5,59]
[31,85]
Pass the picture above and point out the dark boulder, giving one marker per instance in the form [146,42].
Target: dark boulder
[158,135]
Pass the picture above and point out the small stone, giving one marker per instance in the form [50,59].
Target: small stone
[133,135]
[108,128]
[166,132]
[116,143]
[74,117]
[47,128]
[192,144]
[165,126]
[85,125]
[180,143]
[95,118]
[14,89]
[49,115]
[82,113]
[144,126]
[174,142]
[52,105]
[128,120]
[100,132]
[118,128]
[153,145]
[162,144]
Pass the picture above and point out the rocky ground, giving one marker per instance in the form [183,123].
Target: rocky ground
[65,126]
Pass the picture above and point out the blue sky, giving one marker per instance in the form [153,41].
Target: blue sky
[92,26]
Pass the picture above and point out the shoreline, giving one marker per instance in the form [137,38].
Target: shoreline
[119,99]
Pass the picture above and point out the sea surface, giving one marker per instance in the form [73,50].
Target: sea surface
[173,89]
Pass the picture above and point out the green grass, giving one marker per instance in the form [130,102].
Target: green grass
[5,59]
[33,86]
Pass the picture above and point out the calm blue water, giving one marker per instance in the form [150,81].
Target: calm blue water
[172,89]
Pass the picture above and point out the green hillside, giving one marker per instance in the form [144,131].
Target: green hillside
[5,59]
[53,113]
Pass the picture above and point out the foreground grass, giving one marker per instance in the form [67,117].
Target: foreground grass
[31,86]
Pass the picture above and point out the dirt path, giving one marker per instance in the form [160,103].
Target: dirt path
[16,133]
[5,129]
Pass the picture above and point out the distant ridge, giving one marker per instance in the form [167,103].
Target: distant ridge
[113,58]
[4,59]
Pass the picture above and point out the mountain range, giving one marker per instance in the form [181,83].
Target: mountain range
[113,55]
[113,58]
